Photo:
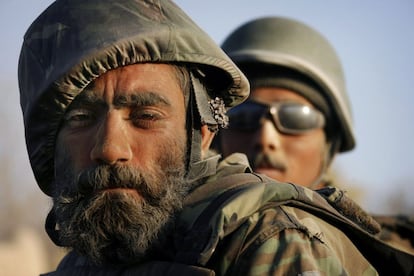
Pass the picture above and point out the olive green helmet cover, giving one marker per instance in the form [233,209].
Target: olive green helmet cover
[75,41]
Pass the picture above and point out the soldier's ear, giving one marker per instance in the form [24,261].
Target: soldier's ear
[206,139]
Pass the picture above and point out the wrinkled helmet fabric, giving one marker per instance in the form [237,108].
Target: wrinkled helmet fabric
[75,41]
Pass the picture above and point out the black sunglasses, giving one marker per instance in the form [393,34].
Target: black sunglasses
[288,117]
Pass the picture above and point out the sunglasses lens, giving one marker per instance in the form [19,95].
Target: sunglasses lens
[246,117]
[297,118]
[290,118]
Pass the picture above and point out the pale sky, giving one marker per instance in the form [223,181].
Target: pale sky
[373,38]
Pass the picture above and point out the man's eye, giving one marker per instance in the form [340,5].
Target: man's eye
[145,118]
[79,117]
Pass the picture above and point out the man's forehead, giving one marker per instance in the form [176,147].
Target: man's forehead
[271,95]
[134,98]
[143,84]
[140,73]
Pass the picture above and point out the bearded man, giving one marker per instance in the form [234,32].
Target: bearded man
[121,100]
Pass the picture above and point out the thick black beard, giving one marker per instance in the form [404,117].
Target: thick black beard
[116,226]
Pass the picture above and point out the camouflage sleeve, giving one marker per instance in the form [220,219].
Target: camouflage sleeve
[397,231]
[313,247]
[291,252]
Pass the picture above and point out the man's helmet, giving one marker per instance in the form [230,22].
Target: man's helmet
[288,43]
[73,42]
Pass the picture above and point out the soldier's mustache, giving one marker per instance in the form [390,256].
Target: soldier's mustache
[105,177]
[263,160]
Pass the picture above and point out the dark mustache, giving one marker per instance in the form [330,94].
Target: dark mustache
[108,177]
[268,161]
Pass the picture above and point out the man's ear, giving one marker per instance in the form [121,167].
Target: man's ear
[206,139]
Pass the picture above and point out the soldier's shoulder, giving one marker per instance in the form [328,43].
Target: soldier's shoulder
[397,231]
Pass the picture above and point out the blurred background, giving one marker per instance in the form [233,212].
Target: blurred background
[375,42]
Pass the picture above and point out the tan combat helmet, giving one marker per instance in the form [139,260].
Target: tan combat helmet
[288,43]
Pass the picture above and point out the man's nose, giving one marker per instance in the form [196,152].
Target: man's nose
[267,137]
[112,143]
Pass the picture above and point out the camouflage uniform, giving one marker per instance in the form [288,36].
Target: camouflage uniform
[397,231]
[240,223]
[286,53]
[235,223]
[268,236]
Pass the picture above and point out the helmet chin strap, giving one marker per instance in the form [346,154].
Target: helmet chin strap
[198,112]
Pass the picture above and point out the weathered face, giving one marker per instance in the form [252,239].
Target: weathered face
[120,163]
[285,157]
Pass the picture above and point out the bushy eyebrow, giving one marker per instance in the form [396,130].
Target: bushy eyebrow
[87,98]
[140,99]
[90,98]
